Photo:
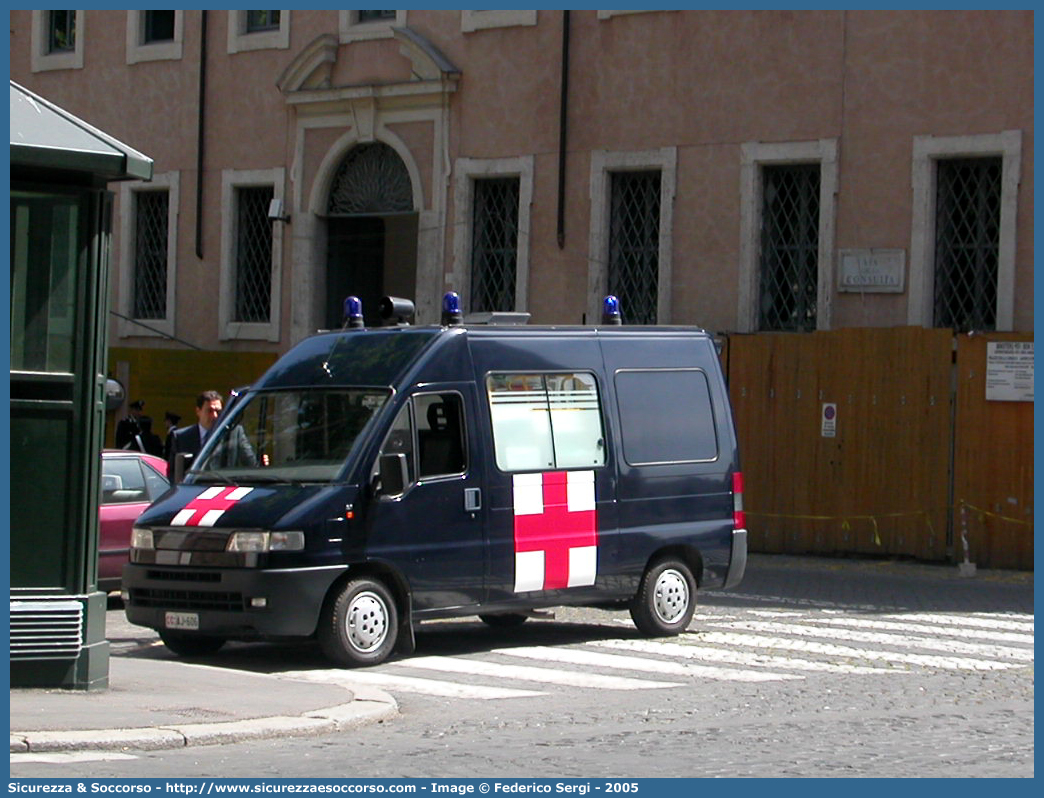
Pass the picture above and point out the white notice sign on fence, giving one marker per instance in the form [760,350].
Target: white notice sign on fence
[1009,371]
[828,420]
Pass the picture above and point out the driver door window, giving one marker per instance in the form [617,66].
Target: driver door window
[429,432]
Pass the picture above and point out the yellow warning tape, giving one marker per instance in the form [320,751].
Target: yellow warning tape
[984,514]
[847,519]
[873,519]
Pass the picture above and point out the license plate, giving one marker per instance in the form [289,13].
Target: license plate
[181,620]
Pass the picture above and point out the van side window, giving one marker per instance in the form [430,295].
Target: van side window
[666,416]
[543,421]
[439,446]
[440,434]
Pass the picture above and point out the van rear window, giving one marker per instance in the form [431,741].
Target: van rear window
[666,416]
[543,421]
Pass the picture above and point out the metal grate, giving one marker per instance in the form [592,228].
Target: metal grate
[967,243]
[46,629]
[150,254]
[261,20]
[371,179]
[62,32]
[789,268]
[184,576]
[253,255]
[374,16]
[634,244]
[192,600]
[494,249]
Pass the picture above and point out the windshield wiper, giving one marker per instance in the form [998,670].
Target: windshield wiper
[269,479]
[204,477]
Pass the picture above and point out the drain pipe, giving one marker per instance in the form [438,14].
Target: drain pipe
[562,130]
[199,131]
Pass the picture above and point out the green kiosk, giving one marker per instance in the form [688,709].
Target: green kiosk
[60,237]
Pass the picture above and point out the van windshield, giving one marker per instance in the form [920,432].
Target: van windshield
[289,435]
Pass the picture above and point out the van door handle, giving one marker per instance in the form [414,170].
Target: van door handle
[472,500]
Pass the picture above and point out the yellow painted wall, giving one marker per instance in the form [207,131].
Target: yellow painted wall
[170,379]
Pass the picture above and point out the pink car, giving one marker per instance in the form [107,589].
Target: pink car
[130,482]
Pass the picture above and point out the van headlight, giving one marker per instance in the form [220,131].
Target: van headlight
[259,542]
[141,538]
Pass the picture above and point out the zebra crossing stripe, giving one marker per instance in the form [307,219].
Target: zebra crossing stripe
[732,656]
[978,634]
[830,649]
[814,604]
[531,674]
[69,757]
[594,659]
[987,622]
[882,638]
[409,684]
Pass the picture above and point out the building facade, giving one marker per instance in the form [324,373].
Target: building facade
[745,171]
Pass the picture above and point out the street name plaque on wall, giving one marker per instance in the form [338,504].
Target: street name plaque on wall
[872,270]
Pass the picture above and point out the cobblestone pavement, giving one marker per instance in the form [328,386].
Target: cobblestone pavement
[811,668]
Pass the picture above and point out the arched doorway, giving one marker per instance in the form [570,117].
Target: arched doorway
[371,232]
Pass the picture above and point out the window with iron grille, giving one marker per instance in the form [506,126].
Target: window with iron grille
[159,26]
[62,32]
[253,256]
[967,243]
[375,16]
[261,21]
[634,244]
[150,254]
[789,263]
[494,244]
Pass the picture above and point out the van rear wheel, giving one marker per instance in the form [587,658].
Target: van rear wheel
[358,625]
[190,645]
[666,599]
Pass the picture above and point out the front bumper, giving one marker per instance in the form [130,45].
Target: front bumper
[222,598]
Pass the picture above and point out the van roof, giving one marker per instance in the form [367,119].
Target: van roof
[381,356]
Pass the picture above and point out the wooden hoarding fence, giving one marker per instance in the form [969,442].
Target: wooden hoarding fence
[993,456]
[845,439]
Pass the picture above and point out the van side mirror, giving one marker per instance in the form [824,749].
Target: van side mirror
[392,474]
[182,463]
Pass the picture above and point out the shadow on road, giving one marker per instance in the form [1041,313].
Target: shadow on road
[772,582]
[434,638]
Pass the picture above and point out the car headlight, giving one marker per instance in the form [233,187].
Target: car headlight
[142,539]
[249,541]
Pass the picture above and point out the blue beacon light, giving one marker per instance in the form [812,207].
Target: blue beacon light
[353,315]
[611,310]
[451,315]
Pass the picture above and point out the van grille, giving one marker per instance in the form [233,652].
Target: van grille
[46,629]
[184,576]
[186,599]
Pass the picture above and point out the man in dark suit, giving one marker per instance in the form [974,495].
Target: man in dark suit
[190,439]
[129,429]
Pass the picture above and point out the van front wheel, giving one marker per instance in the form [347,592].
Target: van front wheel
[359,625]
[666,599]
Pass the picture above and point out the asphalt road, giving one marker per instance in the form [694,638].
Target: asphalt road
[811,668]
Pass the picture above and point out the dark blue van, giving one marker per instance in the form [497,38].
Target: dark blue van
[376,478]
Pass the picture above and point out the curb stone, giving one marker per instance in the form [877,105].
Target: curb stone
[375,707]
